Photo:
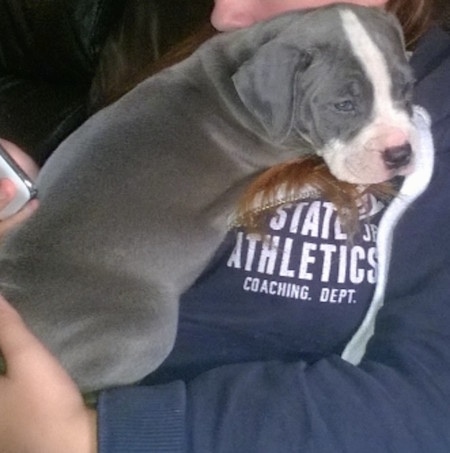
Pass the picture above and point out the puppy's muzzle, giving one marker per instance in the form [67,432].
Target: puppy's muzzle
[397,157]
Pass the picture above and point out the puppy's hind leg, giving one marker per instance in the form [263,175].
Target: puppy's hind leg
[105,328]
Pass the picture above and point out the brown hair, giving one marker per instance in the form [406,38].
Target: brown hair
[414,15]
[300,179]
[145,38]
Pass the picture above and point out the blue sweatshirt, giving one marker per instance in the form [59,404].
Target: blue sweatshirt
[330,348]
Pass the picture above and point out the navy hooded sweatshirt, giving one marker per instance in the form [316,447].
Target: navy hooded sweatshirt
[357,360]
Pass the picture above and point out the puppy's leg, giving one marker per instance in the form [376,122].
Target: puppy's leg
[106,327]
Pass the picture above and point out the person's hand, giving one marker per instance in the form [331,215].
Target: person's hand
[41,409]
[8,189]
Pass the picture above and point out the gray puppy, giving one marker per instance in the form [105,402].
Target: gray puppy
[136,201]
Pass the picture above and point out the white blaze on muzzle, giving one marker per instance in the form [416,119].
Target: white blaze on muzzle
[381,150]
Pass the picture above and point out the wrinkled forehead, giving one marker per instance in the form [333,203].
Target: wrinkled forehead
[377,42]
[369,33]
[371,38]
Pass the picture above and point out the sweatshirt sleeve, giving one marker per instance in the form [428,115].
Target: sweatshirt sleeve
[396,400]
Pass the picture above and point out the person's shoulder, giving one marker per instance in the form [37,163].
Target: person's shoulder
[431,65]
[432,50]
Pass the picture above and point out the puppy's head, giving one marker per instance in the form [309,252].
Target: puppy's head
[343,85]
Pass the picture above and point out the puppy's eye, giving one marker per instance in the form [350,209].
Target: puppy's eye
[345,106]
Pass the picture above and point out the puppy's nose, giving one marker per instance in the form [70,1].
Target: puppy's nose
[398,156]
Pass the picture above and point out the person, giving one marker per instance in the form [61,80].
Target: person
[257,365]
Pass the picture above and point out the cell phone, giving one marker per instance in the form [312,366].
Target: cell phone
[25,189]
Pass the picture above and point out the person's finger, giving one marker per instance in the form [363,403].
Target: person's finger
[7,192]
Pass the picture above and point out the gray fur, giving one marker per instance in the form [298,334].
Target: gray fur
[136,201]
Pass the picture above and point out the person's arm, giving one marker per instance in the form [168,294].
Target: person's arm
[42,410]
[398,400]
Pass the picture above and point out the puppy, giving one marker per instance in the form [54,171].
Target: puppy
[136,201]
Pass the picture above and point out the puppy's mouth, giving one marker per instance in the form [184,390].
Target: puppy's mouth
[374,168]
[371,163]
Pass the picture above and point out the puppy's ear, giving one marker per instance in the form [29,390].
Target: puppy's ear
[266,86]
